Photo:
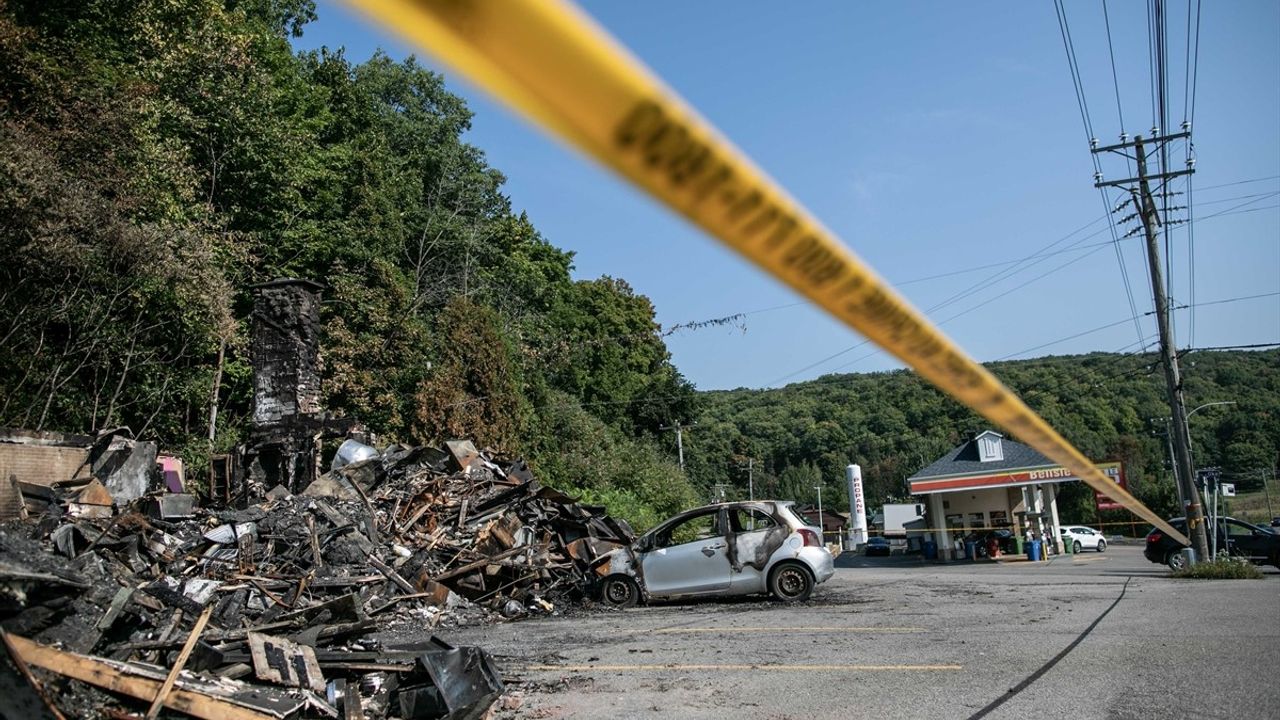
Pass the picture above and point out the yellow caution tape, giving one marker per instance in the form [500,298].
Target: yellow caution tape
[554,65]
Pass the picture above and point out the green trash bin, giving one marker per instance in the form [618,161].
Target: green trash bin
[1067,543]
[1018,549]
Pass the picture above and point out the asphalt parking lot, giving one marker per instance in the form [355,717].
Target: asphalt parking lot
[1089,636]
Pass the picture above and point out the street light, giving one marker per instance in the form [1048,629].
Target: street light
[1193,412]
[1222,402]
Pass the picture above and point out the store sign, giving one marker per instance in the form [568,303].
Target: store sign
[1028,476]
[1115,472]
[1011,478]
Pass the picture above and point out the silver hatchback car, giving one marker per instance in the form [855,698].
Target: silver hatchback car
[739,548]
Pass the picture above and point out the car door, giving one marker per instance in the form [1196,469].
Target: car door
[1246,541]
[752,532]
[688,558]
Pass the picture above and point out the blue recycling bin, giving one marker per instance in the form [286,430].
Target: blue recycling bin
[930,550]
[970,550]
[1034,550]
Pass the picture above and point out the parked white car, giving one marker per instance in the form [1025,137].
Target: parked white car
[1083,537]
[739,548]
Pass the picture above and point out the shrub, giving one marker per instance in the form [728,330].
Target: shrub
[1221,569]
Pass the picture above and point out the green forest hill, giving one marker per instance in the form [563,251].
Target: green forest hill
[159,156]
[894,423]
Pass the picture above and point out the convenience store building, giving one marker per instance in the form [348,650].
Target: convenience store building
[990,482]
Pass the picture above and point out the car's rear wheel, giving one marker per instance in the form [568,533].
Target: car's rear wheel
[791,582]
[620,591]
[1102,545]
[1175,560]
[1075,547]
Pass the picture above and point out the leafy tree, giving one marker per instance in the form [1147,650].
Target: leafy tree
[158,156]
[894,424]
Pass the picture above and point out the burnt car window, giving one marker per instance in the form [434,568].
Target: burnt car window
[698,527]
[748,519]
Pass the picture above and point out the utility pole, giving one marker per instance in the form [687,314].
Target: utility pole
[1173,459]
[1263,473]
[679,438]
[751,486]
[1145,208]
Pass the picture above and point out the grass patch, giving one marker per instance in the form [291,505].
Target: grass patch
[1253,506]
[1221,570]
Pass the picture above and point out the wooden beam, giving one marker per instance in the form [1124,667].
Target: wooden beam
[19,663]
[105,675]
[177,666]
[480,563]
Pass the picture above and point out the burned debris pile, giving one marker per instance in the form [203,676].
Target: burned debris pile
[272,609]
[461,521]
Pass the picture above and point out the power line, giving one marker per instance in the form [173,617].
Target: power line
[988,301]
[1241,182]
[1254,346]
[991,280]
[972,289]
[1231,210]
[1073,65]
[1065,31]
[1151,58]
[1191,67]
[1042,254]
[1124,268]
[1241,212]
[1019,287]
[1115,80]
[1145,341]
[1236,299]
[1100,328]
[1194,60]
[1121,322]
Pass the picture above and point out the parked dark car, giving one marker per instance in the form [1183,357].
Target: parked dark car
[878,546]
[1241,539]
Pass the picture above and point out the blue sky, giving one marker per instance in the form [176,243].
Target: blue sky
[934,138]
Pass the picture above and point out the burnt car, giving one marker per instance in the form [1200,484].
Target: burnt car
[727,549]
[1240,539]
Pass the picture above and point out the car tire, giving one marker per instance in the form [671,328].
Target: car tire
[790,582]
[1075,547]
[620,591]
[1175,560]
[1102,545]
